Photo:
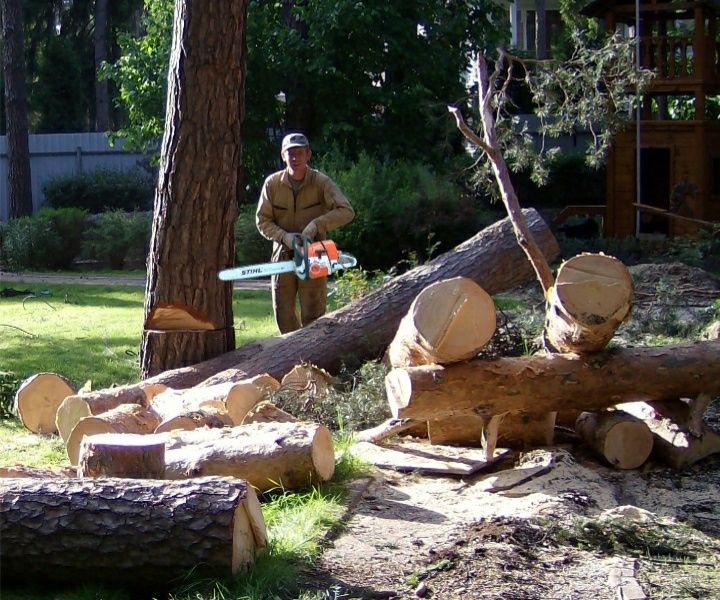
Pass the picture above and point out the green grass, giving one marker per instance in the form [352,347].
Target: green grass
[93,332]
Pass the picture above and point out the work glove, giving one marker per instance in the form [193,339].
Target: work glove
[310,230]
[287,239]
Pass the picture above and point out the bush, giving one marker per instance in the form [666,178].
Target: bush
[101,190]
[250,246]
[116,236]
[403,211]
[50,239]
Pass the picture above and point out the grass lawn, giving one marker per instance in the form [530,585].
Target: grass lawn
[92,332]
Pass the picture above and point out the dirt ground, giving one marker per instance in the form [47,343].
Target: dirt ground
[546,523]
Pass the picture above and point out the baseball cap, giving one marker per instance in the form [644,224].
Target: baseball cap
[293,140]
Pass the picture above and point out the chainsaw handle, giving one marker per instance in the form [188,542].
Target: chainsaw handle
[300,256]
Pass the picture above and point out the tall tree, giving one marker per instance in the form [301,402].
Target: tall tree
[102,99]
[188,310]
[19,183]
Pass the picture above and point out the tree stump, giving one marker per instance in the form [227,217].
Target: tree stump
[592,296]
[128,532]
[37,401]
[623,440]
[122,455]
[126,418]
[267,455]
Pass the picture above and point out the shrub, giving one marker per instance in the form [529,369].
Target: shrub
[101,190]
[402,211]
[250,246]
[50,239]
[116,235]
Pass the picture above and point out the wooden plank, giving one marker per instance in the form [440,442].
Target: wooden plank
[409,456]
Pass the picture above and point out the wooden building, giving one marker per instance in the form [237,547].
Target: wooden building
[679,137]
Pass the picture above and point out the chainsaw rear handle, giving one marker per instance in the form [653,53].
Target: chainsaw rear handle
[301,256]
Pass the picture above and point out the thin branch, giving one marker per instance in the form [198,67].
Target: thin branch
[27,333]
[467,132]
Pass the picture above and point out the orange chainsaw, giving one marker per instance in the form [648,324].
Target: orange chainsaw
[311,260]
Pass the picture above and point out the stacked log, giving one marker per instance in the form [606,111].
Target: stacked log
[122,455]
[154,532]
[38,398]
[623,440]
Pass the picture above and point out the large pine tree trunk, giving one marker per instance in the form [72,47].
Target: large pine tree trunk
[131,532]
[19,183]
[195,203]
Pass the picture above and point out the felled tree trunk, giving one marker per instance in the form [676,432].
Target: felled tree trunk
[591,298]
[449,321]
[126,418]
[681,438]
[122,455]
[623,440]
[152,531]
[267,455]
[74,408]
[552,382]
[37,401]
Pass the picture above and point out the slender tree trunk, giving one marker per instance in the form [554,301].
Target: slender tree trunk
[102,100]
[540,30]
[196,197]
[19,183]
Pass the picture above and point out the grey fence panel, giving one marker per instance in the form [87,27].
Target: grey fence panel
[56,154]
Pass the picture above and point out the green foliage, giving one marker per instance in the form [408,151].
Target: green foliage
[101,189]
[50,239]
[117,235]
[402,210]
[8,385]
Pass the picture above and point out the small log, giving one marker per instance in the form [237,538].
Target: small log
[37,401]
[122,455]
[37,472]
[592,296]
[267,412]
[267,455]
[384,430]
[679,440]
[548,383]
[623,440]
[74,408]
[129,532]
[126,418]
[449,321]
[195,419]
[307,378]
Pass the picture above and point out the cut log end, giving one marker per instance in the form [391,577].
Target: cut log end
[122,455]
[37,401]
[323,453]
[623,440]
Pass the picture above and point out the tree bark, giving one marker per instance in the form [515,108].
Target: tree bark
[556,381]
[152,531]
[19,182]
[449,321]
[592,296]
[37,401]
[102,97]
[623,440]
[195,203]
[122,455]
[267,455]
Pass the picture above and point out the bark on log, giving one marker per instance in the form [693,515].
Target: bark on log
[267,412]
[591,298]
[679,441]
[37,472]
[623,440]
[556,381]
[122,455]
[152,531]
[491,258]
[126,418]
[519,430]
[449,321]
[267,455]
[87,404]
[37,401]
[196,419]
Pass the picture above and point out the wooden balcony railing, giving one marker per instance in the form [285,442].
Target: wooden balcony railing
[672,57]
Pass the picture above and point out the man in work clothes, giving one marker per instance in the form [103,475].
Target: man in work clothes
[298,200]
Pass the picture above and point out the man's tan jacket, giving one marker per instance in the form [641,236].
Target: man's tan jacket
[281,211]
